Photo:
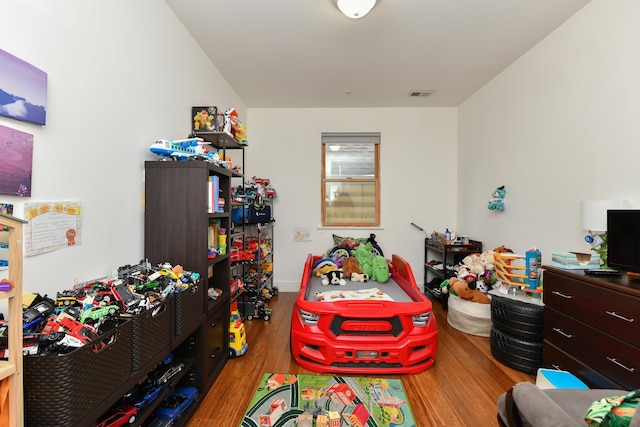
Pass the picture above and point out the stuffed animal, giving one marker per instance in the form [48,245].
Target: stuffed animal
[496,203]
[333,277]
[323,266]
[502,249]
[466,275]
[480,264]
[349,266]
[461,288]
[359,277]
[380,269]
[365,257]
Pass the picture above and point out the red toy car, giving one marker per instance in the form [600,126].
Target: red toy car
[261,181]
[117,417]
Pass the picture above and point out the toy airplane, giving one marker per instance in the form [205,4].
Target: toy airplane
[184,149]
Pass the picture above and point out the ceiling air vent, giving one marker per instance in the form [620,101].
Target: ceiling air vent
[416,93]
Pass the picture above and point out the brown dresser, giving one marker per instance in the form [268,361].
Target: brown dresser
[592,327]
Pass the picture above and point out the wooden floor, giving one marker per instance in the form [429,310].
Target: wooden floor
[460,389]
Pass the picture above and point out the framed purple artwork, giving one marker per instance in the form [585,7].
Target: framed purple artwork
[16,157]
[23,90]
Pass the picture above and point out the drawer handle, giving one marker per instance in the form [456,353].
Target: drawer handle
[560,294]
[561,332]
[611,359]
[614,314]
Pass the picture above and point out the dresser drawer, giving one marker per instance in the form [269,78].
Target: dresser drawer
[554,358]
[608,355]
[613,312]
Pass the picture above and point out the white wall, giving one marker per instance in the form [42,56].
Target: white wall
[418,172]
[558,126]
[121,74]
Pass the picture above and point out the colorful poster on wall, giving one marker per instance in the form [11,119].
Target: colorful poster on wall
[301,234]
[23,90]
[51,226]
[16,157]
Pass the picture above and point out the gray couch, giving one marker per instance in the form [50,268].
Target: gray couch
[527,405]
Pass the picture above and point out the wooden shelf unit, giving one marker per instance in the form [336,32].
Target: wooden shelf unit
[11,369]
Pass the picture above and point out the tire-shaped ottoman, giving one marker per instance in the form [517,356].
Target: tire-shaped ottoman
[469,317]
[521,320]
[516,353]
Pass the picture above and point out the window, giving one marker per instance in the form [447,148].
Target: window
[350,179]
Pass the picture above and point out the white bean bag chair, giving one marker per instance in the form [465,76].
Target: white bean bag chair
[469,317]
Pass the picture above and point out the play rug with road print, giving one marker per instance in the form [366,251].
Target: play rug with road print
[328,401]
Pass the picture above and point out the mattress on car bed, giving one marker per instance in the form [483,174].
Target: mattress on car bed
[391,288]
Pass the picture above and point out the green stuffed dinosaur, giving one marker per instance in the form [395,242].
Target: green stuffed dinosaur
[380,269]
[364,256]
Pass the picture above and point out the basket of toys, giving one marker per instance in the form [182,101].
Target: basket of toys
[151,306]
[62,388]
[151,333]
[188,308]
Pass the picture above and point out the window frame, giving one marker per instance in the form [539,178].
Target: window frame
[346,138]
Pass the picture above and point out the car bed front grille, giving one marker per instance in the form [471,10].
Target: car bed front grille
[358,326]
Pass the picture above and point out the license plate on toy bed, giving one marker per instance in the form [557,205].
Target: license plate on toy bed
[366,354]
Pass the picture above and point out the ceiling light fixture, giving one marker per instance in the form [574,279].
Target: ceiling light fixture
[355,8]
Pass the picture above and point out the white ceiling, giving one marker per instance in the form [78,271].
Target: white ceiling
[305,53]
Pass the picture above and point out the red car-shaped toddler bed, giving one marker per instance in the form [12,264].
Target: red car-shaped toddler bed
[363,327]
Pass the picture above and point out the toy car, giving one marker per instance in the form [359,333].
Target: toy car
[160,422]
[66,298]
[79,330]
[261,181]
[96,313]
[120,416]
[174,405]
[145,396]
[270,192]
[165,374]
[32,316]
[237,337]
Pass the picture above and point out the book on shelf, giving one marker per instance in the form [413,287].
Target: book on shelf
[214,233]
[213,194]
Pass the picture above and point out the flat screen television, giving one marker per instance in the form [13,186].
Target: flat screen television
[623,239]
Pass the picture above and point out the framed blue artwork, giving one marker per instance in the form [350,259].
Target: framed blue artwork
[23,90]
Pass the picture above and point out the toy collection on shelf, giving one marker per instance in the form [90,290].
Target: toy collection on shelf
[477,274]
[204,120]
[352,260]
[250,290]
[80,315]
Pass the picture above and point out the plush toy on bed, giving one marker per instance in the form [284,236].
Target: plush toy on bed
[333,278]
[359,277]
[323,266]
[380,269]
[349,266]
[365,257]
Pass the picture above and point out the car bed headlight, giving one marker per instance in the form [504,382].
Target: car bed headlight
[421,319]
[309,318]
